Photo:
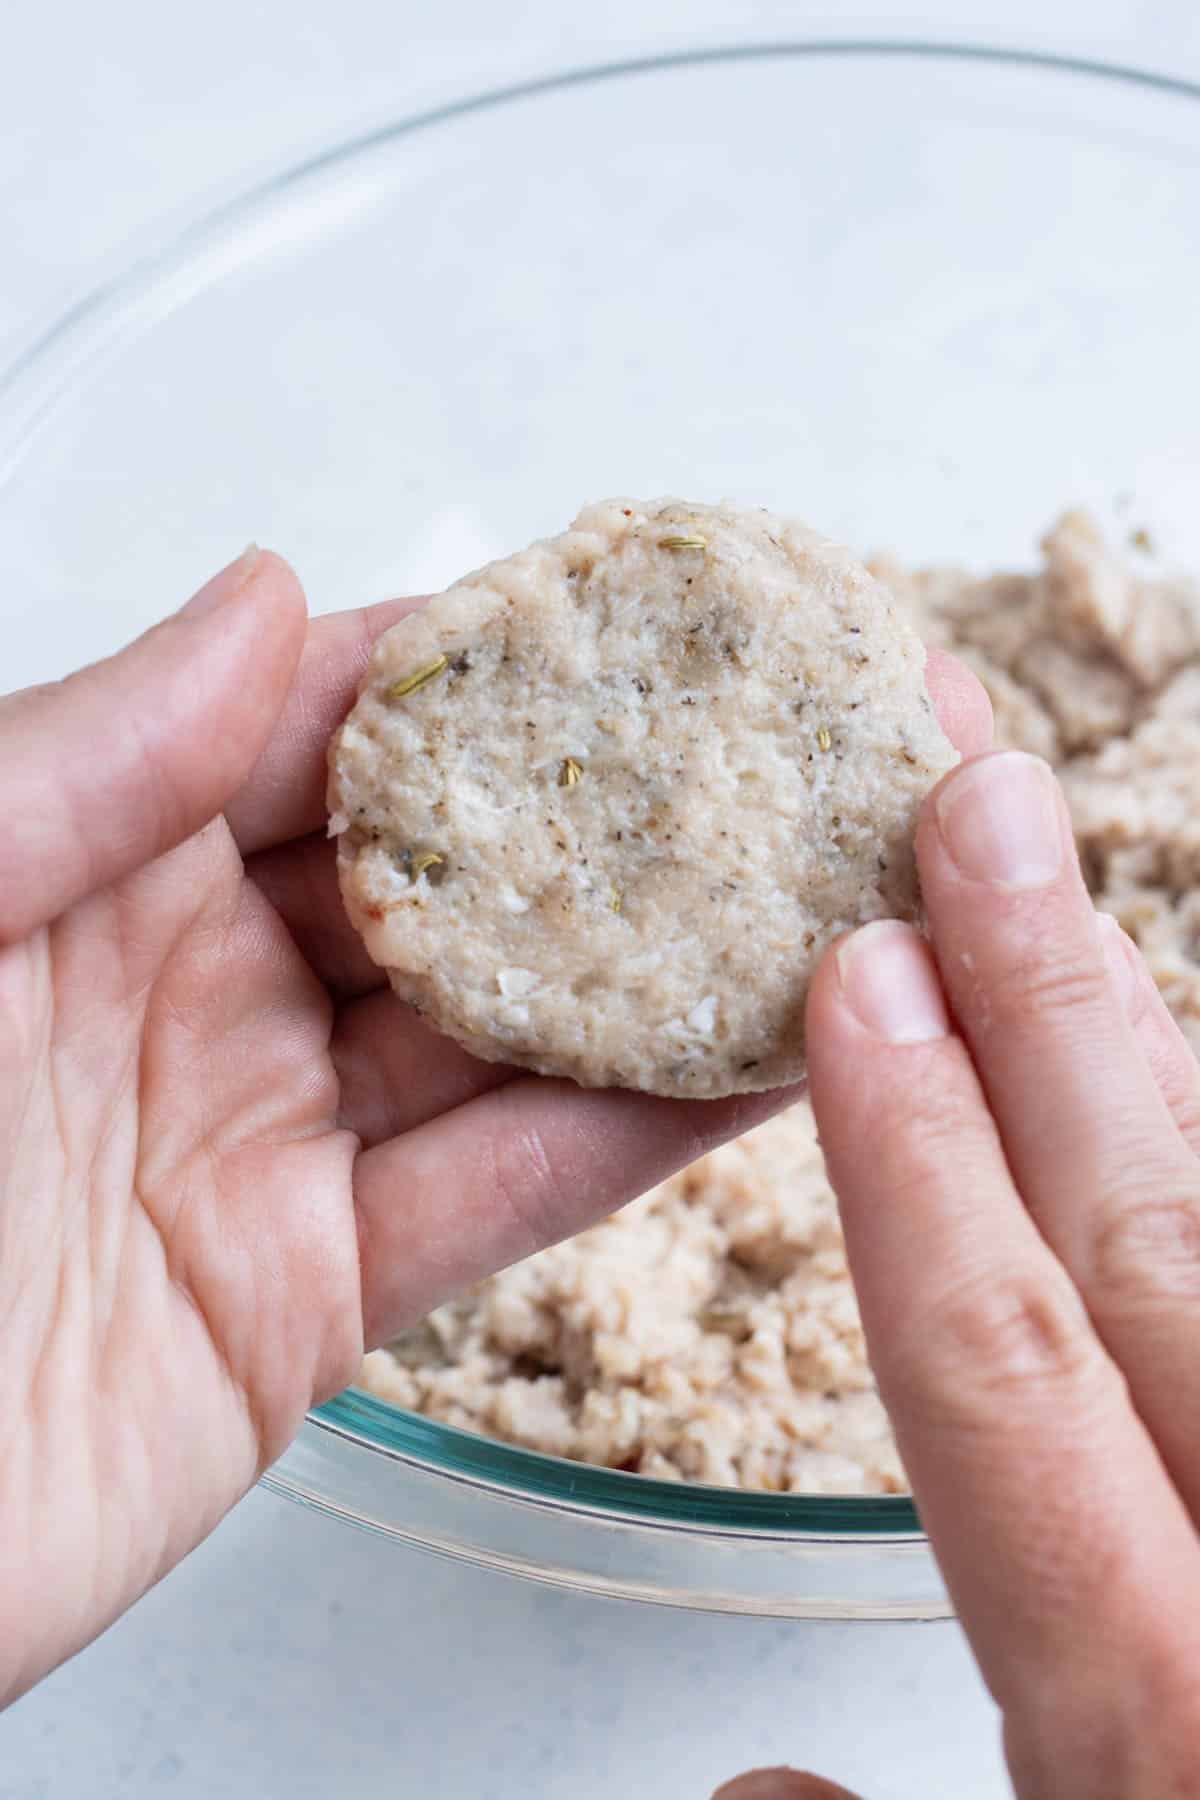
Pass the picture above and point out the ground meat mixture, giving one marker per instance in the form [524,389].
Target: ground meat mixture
[1095,665]
[709,1332]
[603,806]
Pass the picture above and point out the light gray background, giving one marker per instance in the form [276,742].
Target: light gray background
[292,1656]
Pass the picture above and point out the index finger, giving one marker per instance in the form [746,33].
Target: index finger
[1071,1559]
[284,797]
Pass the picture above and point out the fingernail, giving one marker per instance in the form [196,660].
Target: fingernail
[1000,821]
[890,984]
[1119,954]
[223,586]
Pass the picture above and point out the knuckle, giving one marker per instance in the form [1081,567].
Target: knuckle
[1149,1250]
[526,1184]
[1044,984]
[925,1130]
[1000,1340]
[1019,1332]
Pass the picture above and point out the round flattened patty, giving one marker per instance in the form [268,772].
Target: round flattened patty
[602,806]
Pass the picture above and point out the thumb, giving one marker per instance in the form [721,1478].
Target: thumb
[118,763]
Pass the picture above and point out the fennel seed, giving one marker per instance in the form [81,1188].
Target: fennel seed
[408,684]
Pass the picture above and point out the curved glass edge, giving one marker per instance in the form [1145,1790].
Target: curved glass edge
[519,1473]
[166,275]
[752,1574]
[98,323]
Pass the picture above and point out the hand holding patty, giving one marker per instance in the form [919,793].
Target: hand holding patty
[1012,1123]
[229,1157]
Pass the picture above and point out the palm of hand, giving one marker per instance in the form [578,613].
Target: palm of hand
[228,1157]
[180,1275]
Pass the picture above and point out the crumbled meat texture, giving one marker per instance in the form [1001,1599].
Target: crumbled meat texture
[706,1333]
[1096,666]
[709,1332]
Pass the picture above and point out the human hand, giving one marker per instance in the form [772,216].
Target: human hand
[781,1784]
[1012,1124]
[229,1157]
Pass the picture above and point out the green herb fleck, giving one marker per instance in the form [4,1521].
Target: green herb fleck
[420,864]
[409,684]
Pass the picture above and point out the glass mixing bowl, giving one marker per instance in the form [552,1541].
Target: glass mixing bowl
[923,295]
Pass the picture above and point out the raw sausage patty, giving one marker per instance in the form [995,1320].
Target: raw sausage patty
[602,806]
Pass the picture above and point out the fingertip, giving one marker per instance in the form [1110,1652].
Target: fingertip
[285,798]
[273,585]
[881,979]
[279,597]
[254,606]
[250,624]
[781,1784]
[122,760]
[257,576]
[961,702]
[271,565]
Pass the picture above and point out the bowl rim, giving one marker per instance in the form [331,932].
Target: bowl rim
[588,1490]
[152,285]
[105,315]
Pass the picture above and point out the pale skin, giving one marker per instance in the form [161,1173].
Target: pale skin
[229,1160]
[1012,1123]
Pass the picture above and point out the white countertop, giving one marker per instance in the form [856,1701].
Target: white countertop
[292,1656]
